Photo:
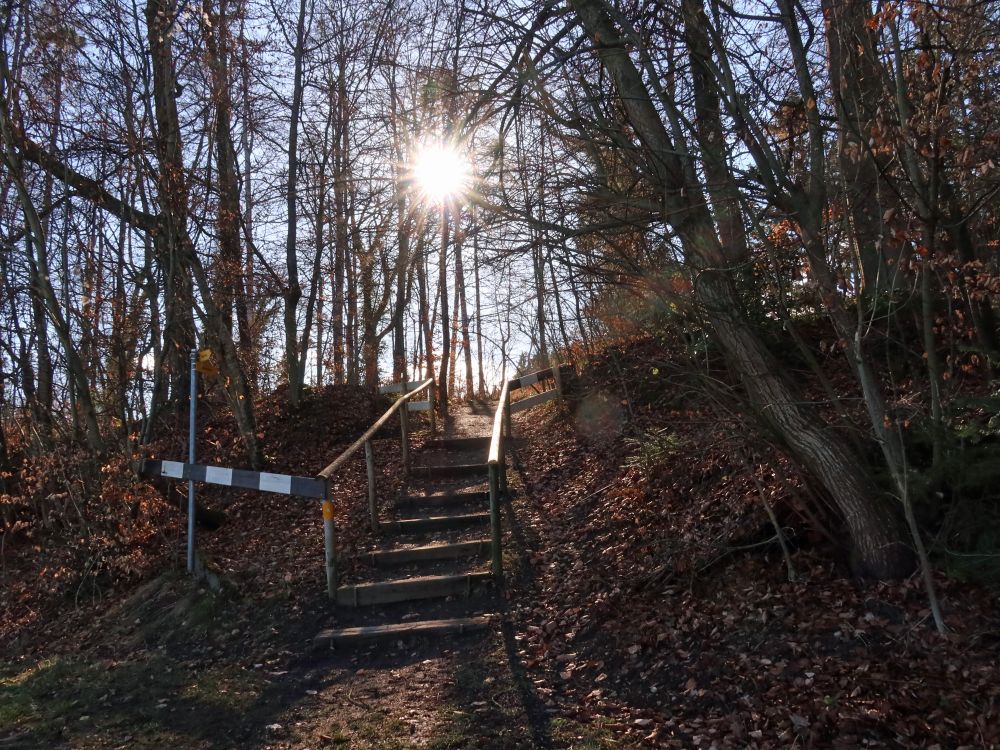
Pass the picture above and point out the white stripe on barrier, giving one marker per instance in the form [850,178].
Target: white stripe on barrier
[218,475]
[276,483]
[419,406]
[172,469]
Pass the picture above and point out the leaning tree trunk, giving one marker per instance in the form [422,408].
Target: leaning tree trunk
[44,290]
[876,531]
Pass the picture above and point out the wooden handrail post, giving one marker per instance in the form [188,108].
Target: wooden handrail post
[370,464]
[433,399]
[404,430]
[508,424]
[496,460]
[502,466]
[497,558]
[341,460]
[329,550]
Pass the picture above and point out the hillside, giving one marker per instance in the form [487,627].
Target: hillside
[648,603]
[657,600]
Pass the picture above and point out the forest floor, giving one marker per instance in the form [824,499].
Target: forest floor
[646,605]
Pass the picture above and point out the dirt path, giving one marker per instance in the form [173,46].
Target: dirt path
[470,420]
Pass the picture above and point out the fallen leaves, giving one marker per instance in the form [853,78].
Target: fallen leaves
[667,630]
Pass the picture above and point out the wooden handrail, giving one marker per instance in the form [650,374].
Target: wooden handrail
[497,438]
[530,378]
[359,443]
[497,461]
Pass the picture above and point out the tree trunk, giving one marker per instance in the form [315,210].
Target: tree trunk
[339,268]
[293,291]
[352,318]
[876,531]
[719,180]
[442,384]
[229,269]
[479,308]
[464,308]
[174,199]
[74,363]
[426,332]
[247,332]
[856,83]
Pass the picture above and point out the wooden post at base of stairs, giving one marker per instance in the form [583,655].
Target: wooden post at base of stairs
[329,548]
[370,464]
[496,554]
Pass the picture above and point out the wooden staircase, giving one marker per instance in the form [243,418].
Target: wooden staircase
[429,573]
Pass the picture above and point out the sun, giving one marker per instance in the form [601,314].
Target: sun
[441,172]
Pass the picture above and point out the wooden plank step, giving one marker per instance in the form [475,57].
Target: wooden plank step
[450,470]
[466,443]
[457,443]
[365,634]
[443,498]
[444,551]
[410,589]
[433,523]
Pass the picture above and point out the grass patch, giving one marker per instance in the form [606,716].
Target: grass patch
[382,731]
[581,736]
[225,688]
[63,699]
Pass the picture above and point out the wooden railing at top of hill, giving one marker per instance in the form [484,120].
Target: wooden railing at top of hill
[503,426]
[408,391]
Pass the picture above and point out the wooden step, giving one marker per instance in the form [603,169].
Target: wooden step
[456,497]
[444,551]
[451,470]
[433,523]
[410,589]
[367,633]
[464,443]
[457,443]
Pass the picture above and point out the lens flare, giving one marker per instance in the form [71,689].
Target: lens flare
[441,172]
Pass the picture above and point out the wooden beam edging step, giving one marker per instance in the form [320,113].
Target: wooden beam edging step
[453,497]
[411,589]
[449,470]
[465,443]
[433,523]
[456,626]
[455,443]
[445,551]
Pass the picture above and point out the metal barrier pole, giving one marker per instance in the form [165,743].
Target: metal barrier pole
[191,441]
[370,463]
[497,558]
[328,546]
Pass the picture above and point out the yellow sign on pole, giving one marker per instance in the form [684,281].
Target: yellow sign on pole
[206,364]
